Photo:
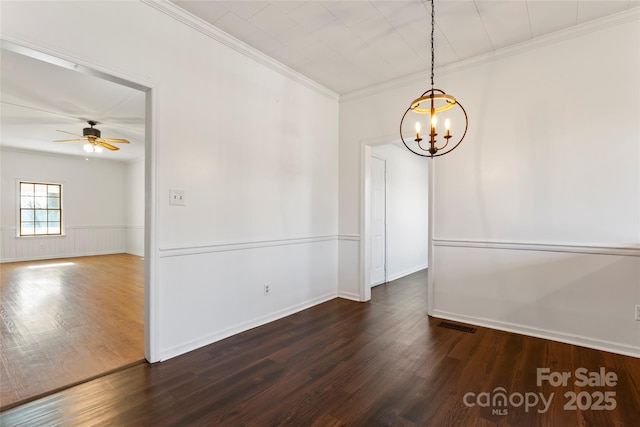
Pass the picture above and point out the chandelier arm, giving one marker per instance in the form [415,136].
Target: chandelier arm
[402,138]
[443,147]
[466,126]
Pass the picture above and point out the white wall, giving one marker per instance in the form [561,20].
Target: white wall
[92,193]
[103,205]
[407,210]
[254,149]
[134,205]
[537,213]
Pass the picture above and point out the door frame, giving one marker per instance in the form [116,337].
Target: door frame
[365,219]
[151,253]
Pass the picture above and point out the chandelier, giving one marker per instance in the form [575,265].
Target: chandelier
[422,114]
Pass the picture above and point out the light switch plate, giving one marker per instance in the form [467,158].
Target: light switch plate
[176,197]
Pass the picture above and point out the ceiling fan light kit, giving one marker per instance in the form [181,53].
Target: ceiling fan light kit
[94,143]
[422,111]
[92,148]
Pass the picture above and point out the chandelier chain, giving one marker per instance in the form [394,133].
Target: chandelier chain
[433,20]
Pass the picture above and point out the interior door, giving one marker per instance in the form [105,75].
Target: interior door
[378,221]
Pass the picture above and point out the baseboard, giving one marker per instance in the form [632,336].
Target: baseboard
[57,256]
[582,341]
[406,272]
[218,336]
[349,295]
[136,253]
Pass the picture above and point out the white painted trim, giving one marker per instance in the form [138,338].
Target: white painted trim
[93,227]
[349,237]
[541,246]
[609,346]
[174,251]
[406,272]
[217,34]
[349,295]
[209,339]
[56,256]
[151,310]
[430,245]
[70,62]
[365,222]
[546,40]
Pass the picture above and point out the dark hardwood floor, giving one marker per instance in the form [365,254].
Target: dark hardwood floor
[66,320]
[344,363]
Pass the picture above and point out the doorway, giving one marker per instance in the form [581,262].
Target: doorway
[405,180]
[144,259]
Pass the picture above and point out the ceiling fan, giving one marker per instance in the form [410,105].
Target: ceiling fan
[94,142]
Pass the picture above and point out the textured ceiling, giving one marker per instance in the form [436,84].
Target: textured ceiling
[343,45]
[39,98]
[350,45]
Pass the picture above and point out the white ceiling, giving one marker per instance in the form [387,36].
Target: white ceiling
[350,45]
[38,98]
[343,45]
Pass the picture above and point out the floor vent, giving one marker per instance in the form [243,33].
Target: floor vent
[457,327]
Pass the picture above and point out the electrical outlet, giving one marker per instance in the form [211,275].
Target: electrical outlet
[266,288]
[638,312]
[176,197]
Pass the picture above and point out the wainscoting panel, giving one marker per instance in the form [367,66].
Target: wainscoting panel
[580,295]
[210,292]
[77,241]
[349,267]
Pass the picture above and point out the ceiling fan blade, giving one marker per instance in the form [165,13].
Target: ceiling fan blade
[70,133]
[108,146]
[117,140]
[70,140]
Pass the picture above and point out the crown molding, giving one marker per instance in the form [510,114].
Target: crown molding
[580,30]
[204,27]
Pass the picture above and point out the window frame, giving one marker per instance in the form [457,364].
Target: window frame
[47,209]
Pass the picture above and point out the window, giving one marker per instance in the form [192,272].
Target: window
[40,209]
